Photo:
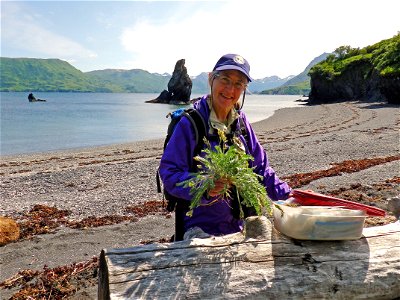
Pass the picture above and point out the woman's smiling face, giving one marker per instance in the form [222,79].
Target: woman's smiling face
[227,86]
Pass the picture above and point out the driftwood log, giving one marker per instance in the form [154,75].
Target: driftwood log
[266,265]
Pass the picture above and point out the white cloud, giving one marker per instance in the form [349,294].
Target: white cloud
[157,47]
[24,32]
[277,37]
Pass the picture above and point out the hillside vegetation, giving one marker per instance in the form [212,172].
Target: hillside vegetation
[298,85]
[132,81]
[301,88]
[54,75]
[370,73]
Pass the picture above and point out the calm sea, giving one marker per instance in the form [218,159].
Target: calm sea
[76,120]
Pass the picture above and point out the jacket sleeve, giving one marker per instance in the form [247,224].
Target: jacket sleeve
[177,158]
[276,188]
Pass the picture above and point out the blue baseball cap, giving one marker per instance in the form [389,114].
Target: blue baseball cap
[233,62]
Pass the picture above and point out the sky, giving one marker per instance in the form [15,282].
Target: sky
[279,37]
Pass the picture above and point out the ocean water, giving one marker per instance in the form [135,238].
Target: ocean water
[76,120]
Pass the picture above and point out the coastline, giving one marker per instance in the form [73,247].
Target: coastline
[297,140]
[129,120]
[101,181]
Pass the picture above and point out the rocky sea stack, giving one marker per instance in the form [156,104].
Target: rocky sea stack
[179,87]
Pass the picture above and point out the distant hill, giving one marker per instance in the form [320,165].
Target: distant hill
[55,75]
[267,83]
[303,76]
[298,85]
[132,81]
[200,83]
[370,73]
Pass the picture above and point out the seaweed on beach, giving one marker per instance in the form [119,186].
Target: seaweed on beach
[374,195]
[42,219]
[19,279]
[91,222]
[53,283]
[147,208]
[347,166]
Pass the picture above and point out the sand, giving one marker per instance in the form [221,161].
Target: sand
[105,180]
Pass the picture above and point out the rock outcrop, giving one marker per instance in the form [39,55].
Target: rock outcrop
[368,74]
[179,87]
[360,81]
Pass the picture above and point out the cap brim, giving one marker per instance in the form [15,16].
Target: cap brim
[233,67]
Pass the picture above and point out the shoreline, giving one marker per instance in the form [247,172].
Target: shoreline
[83,149]
[289,134]
[100,148]
[43,145]
[104,181]
[97,148]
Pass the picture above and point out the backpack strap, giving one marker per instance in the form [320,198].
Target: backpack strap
[243,132]
[239,128]
[243,129]
[199,125]
[182,206]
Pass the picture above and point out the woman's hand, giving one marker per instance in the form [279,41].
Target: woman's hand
[220,185]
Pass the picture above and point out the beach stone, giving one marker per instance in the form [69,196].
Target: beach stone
[257,227]
[394,206]
[9,231]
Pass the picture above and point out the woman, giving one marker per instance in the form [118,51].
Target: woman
[221,111]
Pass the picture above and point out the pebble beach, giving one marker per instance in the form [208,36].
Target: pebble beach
[104,181]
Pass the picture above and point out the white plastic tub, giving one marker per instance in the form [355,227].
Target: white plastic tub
[319,222]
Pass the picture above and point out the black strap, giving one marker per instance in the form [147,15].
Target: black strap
[179,205]
[182,206]
[181,209]
[158,180]
[242,126]
[199,126]
[238,127]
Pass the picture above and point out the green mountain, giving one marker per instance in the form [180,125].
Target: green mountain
[370,73]
[298,85]
[303,76]
[55,75]
[301,88]
[132,81]
[200,84]
[259,85]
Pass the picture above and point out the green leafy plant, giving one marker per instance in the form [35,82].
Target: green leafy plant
[231,166]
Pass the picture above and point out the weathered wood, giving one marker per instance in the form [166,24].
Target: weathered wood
[274,267]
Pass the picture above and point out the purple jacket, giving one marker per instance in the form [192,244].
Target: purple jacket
[216,219]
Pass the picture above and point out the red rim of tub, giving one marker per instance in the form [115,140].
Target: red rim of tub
[316,199]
